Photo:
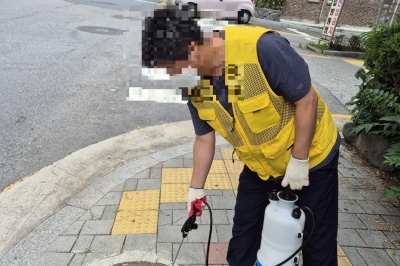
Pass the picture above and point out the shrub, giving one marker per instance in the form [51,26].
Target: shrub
[271,4]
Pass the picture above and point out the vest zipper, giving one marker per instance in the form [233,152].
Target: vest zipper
[233,123]
[233,160]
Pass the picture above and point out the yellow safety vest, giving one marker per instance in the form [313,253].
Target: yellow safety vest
[262,128]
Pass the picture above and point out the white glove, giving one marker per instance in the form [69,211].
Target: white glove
[296,174]
[196,198]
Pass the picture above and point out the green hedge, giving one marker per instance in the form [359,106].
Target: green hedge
[271,4]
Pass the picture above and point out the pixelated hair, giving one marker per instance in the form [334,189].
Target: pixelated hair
[167,35]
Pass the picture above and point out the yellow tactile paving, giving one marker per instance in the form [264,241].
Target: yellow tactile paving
[171,193]
[218,181]
[176,175]
[355,62]
[139,200]
[234,178]
[218,167]
[135,222]
[227,154]
[233,167]
[344,261]
[340,251]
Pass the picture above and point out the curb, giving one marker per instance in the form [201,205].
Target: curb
[350,54]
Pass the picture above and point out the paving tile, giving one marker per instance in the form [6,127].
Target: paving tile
[350,206]
[110,212]
[188,163]
[343,261]
[350,220]
[94,213]
[344,163]
[62,244]
[148,184]
[372,207]
[390,208]
[201,234]
[169,233]
[77,260]
[369,184]
[375,239]
[164,217]
[190,253]
[227,193]
[350,194]
[130,184]
[349,182]
[224,233]
[217,253]
[48,259]
[223,202]
[107,244]
[393,220]
[349,237]
[346,172]
[164,251]
[180,216]
[144,174]
[394,238]
[373,195]
[353,256]
[372,221]
[74,228]
[219,217]
[172,163]
[102,227]
[95,256]
[172,206]
[82,243]
[374,257]
[230,214]
[119,187]
[111,198]
[155,173]
[189,155]
[143,242]
[213,192]
[394,255]
[218,155]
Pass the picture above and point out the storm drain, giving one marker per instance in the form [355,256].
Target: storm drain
[100,30]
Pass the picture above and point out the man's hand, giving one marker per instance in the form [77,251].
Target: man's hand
[196,199]
[296,174]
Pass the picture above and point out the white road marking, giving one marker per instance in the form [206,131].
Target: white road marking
[299,32]
[144,1]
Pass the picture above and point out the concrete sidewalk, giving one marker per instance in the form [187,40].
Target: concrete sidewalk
[135,213]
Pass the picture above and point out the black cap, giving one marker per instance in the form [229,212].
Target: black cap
[296,213]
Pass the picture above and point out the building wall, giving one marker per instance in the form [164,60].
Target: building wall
[354,12]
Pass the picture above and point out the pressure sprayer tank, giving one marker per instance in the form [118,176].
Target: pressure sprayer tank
[282,232]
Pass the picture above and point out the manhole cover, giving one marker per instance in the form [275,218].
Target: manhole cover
[100,30]
[138,263]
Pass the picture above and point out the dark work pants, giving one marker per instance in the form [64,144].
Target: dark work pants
[321,196]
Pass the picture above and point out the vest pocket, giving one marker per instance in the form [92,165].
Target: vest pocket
[209,116]
[259,113]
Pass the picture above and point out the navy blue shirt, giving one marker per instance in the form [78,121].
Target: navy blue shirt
[287,74]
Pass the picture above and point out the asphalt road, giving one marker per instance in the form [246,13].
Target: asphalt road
[63,88]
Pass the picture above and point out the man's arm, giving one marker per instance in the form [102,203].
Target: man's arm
[203,155]
[305,120]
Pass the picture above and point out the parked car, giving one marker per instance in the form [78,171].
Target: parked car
[241,10]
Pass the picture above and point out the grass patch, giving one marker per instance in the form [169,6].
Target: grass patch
[320,46]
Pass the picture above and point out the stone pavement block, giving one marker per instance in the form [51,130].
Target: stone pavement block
[148,184]
[159,165]
[74,228]
[188,163]
[349,237]
[101,227]
[82,244]
[369,184]
[344,163]
[49,258]
[111,198]
[77,260]
[107,244]
[394,238]
[374,257]
[394,255]
[155,173]
[350,220]
[373,195]
[350,194]
[228,193]
[169,233]
[224,233]
[144,174]
[372,221]
[223,202]
[219,217]
[93,213]
[346,172]
[62,244]
[230,214]
[372,207]
[350,206]
[164,217]
[143,242]
[164,250]
[212,192]
[189,155]
[173,163]
[180,216]
[390,208]
[119,187]
[375,239]
[190,253]
[130,184]
[218,155]
[173,206]
[353,256]
[110,212]
[201,234]
[93,256]
[217,254]
[349,182]
[394,221]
